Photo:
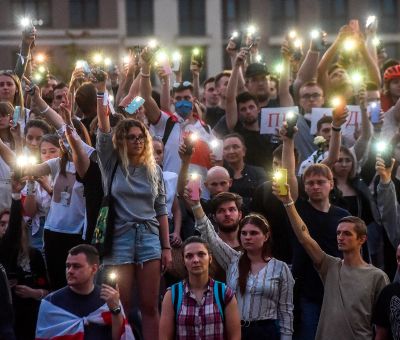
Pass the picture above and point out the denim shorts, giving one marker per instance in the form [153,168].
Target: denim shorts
[137,245]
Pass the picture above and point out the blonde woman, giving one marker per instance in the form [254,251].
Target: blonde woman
[140,240]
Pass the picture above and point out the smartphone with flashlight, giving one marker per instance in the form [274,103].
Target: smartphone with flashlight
[374,109]
[110,278]
[280,178]
[134,105]
[176,62]
[371,20]
[291,121]
[189,141]
[385,151]
[237,39]
[197,57]
[339,105]
[194,186]
[16,115]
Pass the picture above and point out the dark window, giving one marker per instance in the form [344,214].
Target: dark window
[38,10]
[186,52]
[83,13]
[386,11]
[192,20]
[139,17]
[235,16]
[283,15]
[333,14]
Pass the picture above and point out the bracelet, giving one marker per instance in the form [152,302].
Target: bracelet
[288,204]
[45,110]
[337,129]
[165,248]
[145,75]
[198,205]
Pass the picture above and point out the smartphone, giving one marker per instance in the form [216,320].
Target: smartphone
[176,62]
[197,57]
[134,105]
[189,140]
[194,185]
[385,151]
[237,39]
[354,25]
[280,178]
[110,278]
[339,105]
[16,115]
[291,120]
[374,109]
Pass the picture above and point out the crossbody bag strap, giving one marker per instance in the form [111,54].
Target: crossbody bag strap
[112,178]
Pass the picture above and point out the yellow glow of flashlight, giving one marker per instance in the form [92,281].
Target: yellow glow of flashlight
[370,20]
[298,43]
[381,146]
[196,51]
[161,57]
[112,276]
[258,58]
[235,35]
[356,78]
[292,34]
[107,61]
[314,34]
[41,69]
[152,43]
[194,137]
[349,44]
[126,59]
[277,175]
[336,102]
[251,29]
[194,176]
[376,41]
[97,58]
[25,22]
[40,58]
[176,56]
[37,77]
[279,68]
[24,160]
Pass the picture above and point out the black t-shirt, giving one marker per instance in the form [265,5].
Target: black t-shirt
[387,310]
[93,192]
[213,115]
[82,305]
[322,227]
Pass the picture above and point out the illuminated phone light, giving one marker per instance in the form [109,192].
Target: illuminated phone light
[277,175]
[25,22]
[290,115]
[111,98]
[258,58]
[32,160]
[251,30]
[298,43]
[41,69]
[214,144]
[336,102]
[356,78]
[176,56]
[314,34]
[107,61]
[40,58]
[381,146]
[235,35]
[153,43]
[112,276]
[97,58]
[279,68]
[196,51]
[349,44]
[37,77]
[376,41]
[194,137]
[161,57]
[79,63]
[126,59]
[373,105]
[22,160]
[370,20]
[194,176]
[292,34]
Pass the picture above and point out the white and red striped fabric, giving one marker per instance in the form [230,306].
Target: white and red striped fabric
[55,323]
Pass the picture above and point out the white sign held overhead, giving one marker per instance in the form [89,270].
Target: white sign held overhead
[272,118]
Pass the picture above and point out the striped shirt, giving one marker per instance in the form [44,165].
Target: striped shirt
[269,293]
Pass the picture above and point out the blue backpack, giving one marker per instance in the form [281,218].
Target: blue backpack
[219,297]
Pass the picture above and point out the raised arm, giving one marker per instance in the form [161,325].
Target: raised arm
[231,91]
[165,95]
[196,70]
[285,98]
[102,110]
[151,108]
[372,67]
[79,156]
[339,118]
[28,38]
[300,229]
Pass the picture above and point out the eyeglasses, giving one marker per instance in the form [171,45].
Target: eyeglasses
[184,84]
[135,139]
[318,182]
[309,96]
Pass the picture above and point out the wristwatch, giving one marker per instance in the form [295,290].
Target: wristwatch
[115,311]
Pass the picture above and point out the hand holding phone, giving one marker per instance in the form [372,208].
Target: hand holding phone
[194,186]
[189,141]
[291,121]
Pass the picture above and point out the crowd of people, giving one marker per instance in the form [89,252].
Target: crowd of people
[137,204]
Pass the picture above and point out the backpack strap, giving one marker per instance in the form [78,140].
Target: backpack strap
[219,296]
[177,296]
[168,129]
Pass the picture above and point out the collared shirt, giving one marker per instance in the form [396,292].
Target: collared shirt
[201,320]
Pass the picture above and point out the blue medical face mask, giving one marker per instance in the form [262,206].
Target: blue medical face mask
[183,108]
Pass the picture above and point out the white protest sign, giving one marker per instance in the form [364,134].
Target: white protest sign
[316,114]
[347,128]
[272,118]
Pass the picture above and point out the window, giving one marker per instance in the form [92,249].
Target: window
[139,17]
[283,15]
[83,13]
[192,17]
[186,52]
[235,16]
[38,10]
[386,12]
[333,14]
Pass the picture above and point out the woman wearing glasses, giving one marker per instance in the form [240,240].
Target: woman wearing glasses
[140,240]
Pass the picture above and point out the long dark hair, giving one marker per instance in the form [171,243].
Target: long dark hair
[244,262]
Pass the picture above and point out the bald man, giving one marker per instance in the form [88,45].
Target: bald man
[217,180]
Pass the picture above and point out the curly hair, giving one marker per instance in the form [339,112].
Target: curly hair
[146,158]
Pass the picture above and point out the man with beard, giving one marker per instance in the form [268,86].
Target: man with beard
[48,88]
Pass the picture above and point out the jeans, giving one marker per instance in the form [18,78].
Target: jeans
[309,316]
[260,330]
